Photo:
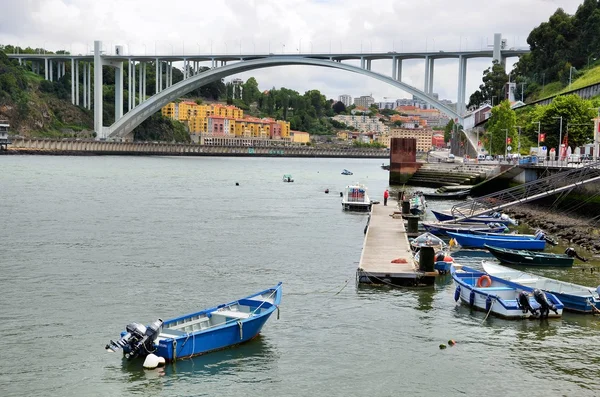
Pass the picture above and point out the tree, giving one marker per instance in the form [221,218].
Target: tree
[250,92]
[500,125]
[448,130]
[494,80]
[339,107]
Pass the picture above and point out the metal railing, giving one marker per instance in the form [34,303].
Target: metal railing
[556,183]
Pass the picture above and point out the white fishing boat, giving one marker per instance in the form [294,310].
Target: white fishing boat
[576,298]
[355,198]
[501,297]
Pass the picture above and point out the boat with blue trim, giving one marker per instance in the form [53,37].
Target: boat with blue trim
[512,241]
[201,332]
[496,217]
[530,258]
[502,298]
[575,298]
[439,228]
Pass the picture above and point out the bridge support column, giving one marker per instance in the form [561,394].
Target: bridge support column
[77,83]
[132,91]
[368,64]
[46,68]
[129,85]
[362,62]
[394,67]
[90,85]
[73,81]
[51,73]
[85,96]
[141,81]
[426,86]
[157,77]
[170,73]
[119,91]
[462,84]
[144,83]
[431,66]
[98,124]
[399,77]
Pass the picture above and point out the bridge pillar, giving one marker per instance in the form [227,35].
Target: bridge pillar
[85,96]
[51,73]
[394,67]
[399,77]
[77,83]
[73,81]
[157,76]
[98,127]
[368,64]
[431,65]
[462,84]
[141,83]
[132,88]
[119,91]
[89,84]
[362,62]
[426,86]
[46,68]
[144,83]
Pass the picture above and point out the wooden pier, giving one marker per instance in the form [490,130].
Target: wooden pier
[386,256]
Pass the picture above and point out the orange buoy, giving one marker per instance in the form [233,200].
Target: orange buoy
[485,279]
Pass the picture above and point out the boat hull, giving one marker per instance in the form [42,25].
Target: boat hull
[479,241]
[446,196]
[443,228]
[575,298]
[440,216]
[527,258]
[498,299]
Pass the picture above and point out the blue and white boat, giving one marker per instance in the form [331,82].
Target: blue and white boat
[439,228]
[502,298]
[496,217]
[512,241]
[576,298]
[346,172]
[198,333]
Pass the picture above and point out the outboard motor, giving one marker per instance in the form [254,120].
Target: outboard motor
[523,302]
[138,339]
[573,254]
[540,235]
[546,306]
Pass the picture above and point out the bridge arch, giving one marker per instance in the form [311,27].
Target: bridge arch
[135,117]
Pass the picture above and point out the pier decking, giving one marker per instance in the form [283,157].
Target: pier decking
[386,240]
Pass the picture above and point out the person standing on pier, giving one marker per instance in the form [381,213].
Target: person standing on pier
[386,194]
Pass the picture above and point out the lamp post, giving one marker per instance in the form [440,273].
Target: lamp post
[539,123]
[560,133]
[570,75]
[596,133]
[505,142]
[493,96]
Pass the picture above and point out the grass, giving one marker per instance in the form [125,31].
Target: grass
[589,77]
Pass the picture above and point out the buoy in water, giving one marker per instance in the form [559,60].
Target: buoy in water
[161,361]
[151,361]
[442,346]
[237,184]
[451,342]
[326,191]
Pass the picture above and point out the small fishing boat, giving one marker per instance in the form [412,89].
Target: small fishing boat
[198,333]
[355,198]
[459,195]
[441,228]
[512,242]
[495,217]
[575,298]
[544,236]
[530,258]
[346,172]
[428,240]
[501,297]
[418,205]
[288,178]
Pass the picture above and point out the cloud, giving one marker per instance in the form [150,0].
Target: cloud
[263,26]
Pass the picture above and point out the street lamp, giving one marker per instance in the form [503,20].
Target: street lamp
[560,133]
[519,139]
[505,142]
[539,123]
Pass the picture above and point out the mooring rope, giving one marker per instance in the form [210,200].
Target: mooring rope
[489,311]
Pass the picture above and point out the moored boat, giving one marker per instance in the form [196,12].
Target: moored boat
[501,297]
[355,198]
[460,195]
[346,172]
[530,258]
[495,217]
[198,333]
[288,178]
[575,298]
[439,228]
[479,241]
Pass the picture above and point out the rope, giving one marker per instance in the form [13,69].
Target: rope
[489,311]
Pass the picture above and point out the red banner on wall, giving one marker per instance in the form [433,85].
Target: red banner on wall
[542,137]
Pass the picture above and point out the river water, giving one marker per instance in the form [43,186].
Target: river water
[89,244]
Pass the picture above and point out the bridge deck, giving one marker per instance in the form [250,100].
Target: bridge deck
[386,240]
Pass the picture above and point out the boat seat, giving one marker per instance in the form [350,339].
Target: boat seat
[188,323]
[171,333]
[231,314]
[489,289]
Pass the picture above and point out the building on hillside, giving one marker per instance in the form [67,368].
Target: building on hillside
[300,137]
[345,99]
[362,123]
[434,117]
[386,105]
[423,136]
[364,101]
[437,140]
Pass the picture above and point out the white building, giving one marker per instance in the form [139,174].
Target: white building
[345,99]
[364,101]
[386,105]
[363,123]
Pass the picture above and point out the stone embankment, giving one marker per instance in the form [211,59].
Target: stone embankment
[568,229]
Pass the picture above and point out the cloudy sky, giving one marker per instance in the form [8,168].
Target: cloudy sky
[231,26]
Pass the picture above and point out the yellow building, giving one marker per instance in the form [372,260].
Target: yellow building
[185,110]
[423,136]
[285,128]
[300,137]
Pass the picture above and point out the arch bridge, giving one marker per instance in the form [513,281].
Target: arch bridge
[166,91]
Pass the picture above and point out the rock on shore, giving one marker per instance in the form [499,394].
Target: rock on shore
[569,229]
